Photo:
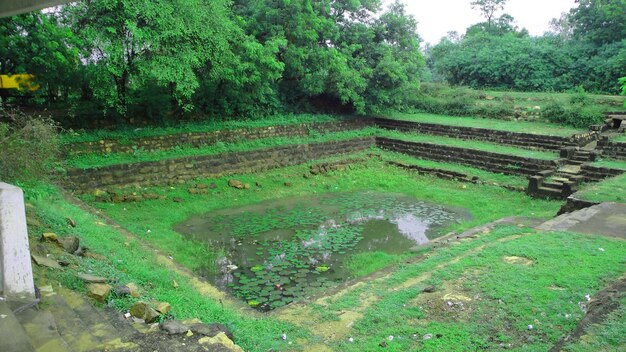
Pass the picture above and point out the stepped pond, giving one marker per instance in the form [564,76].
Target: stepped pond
[279,251]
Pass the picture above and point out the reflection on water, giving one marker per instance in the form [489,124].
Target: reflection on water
[276,251]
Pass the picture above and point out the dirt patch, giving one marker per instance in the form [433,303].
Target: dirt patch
[518,260]
[600,306]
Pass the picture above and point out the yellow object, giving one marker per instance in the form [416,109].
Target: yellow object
[19,81]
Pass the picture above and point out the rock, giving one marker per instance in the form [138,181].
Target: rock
[99,292]
[70,222]
[70,244]
[211,329]
[134,289]
[174,327]
[201,186]
[177,200]
[193,191]
[258,184]
[163,308]
[220,339]
[45,261]
[99,193]
[429,289]
[213,186]
[174,284]
[288,184]
[142,310]
[306,176]
[150,196]
[91,279]
[121,291]
[49,237]
[236,184]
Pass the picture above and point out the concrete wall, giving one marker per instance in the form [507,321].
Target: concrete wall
[16,274]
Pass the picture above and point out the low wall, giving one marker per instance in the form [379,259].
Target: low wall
[180,170]
[494,162]
[203,138]
[597,174]
[525,140]
[616,150]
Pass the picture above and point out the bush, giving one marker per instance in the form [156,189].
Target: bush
[30,147]
[555,112]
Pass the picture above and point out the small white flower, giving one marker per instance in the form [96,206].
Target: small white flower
[390,337]
[351,340]
[588,297]
[530,327]
[148,231]
[283,336]
[428,336]
[601,249]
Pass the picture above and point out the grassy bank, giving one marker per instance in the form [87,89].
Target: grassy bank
[610,190]
[100,160]
[476,145]
[131,133]
[540,128]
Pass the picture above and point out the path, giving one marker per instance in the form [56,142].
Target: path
[607,219]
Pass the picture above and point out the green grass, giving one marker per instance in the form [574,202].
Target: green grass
[100,160]
[606,336]
[620,139]
[485,176]
[503,298]
[476,145]
[131,262]
[610,190]
[148,220]
[610,163]
[540,128]
[362,264]
[130,133]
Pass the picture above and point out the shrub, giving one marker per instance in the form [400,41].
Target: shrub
[30,147]
[555,112]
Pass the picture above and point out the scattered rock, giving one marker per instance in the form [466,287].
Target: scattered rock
[121,291]
[383,344]
[150,196]
[91,279]
[258,184]
[70,222]
[429,289]
[288,184]
[237,184]
[174,327]
[306,176]
[142,310]
[70,244]
[220,339]
[211,329]
[134,289]
[518,260]
[49,237]
[45,261]
[163,308]
[99,292]
[201,186]
[174,284]
[177,200]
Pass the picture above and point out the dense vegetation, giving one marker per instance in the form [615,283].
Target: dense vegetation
[586,47]
[167,57]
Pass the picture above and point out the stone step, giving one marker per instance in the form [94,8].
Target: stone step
[559,179]
[551,192]
[79,336]
[13,337]
[42,331]
[554,185]
[575,162]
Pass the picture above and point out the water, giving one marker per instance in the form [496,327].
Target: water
[277,251]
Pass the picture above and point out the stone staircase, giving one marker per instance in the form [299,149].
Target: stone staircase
[65,321]
[564,181]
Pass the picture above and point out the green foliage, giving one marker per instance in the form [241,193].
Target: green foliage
[30,147]
[580,112]
[622,81]
[362,264]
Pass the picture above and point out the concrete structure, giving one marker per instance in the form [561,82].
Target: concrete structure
[16,272]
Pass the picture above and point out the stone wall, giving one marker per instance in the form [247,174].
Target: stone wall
[180,170]
[203,138]
[524,140]
[494,162]
[597,174]
[616,150]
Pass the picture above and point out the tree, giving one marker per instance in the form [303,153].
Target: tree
[599,21]
[622,81]
[488,8]
[132,44]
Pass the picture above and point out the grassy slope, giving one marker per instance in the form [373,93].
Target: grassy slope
[486,176]
[374,175]
[128,134]
[503,298]
[100,160]
[477,145]
[611,190]
[611,163]
[494,124]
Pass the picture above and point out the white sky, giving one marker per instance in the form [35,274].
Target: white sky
[437,17]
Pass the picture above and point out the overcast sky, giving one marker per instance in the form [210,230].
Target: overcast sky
[437,17]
